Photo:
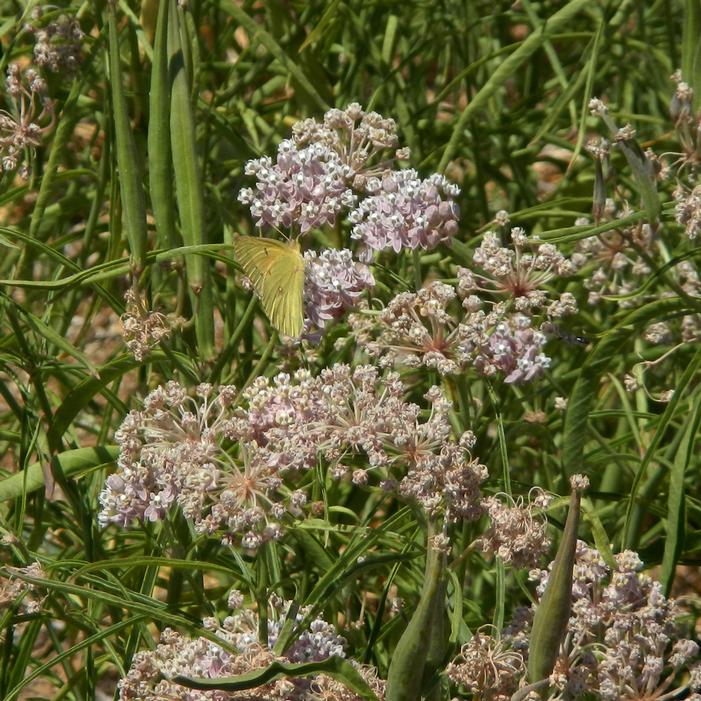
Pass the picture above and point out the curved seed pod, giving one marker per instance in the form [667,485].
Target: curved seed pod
[553,611]
[406,670]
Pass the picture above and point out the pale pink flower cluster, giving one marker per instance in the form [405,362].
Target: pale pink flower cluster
[623,640]
[493,320]
[142,328]
[321,173]
[17,593]
[33,115]
[233,469]
[151,675]
[687,211]
[618,267]
[174,451]
[404,211]
[518,272]
[428,329]
[58,42]
[518,531]
[304,188]
[333,283]
[487,667]
[366,142]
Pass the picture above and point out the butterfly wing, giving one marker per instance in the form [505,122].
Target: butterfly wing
[276,270]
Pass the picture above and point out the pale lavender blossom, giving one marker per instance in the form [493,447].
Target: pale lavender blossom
[142,328]
[487,667]
[17,593]
[518,529]
[404,211]
[427,329]
[623,640]
[304,188]
[519,273]
[365,141]
[58,42]
[172,452]
[687,211]
[32,117]
[513,349]
[333,283]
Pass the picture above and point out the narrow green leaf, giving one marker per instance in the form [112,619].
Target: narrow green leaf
[601,539]
[586,388]
[691,48]
[336,667]
[70,461]
[675,525]
[506,70]
[390,38]
[69,654]
[257,33]
[635,511]
[53,337]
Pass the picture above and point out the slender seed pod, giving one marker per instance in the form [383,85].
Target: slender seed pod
[159,156]
[553,611]
[691,49]
[188,184]
[128,161]
[406,670]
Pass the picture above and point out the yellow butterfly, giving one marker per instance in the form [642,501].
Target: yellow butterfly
[276,270]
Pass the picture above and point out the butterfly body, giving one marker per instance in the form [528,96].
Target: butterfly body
[276,271]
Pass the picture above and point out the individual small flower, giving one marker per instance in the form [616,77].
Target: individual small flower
[681,107]
[517,532]
[487,667]
[305,188]
[403,211]
[561,403]
[625,133]
[57,43]
[502,218]
[364,141]
[143,329]
[658,333]
[33,116]
[597,107]
[333,283]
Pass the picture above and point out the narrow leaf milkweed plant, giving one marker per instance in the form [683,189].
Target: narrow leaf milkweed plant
[349,351]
